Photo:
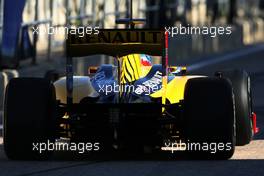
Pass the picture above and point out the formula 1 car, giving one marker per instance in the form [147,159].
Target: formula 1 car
[135,106]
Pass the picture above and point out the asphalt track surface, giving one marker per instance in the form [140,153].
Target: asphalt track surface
[247,160]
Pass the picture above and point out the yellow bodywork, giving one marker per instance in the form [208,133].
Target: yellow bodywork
[174,89]
[132,70]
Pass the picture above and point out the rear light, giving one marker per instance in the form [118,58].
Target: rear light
[254,123]
[92,70]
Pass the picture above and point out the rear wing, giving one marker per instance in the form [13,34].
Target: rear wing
[116,42]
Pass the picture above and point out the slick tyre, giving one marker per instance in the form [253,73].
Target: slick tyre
[29,118]
[209,120]
[243,105]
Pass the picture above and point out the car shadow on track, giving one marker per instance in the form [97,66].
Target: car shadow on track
[74,164]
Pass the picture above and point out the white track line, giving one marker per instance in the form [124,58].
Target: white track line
[231,56]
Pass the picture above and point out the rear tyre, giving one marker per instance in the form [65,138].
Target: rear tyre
[241,86]
[209,120]
[29,118]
